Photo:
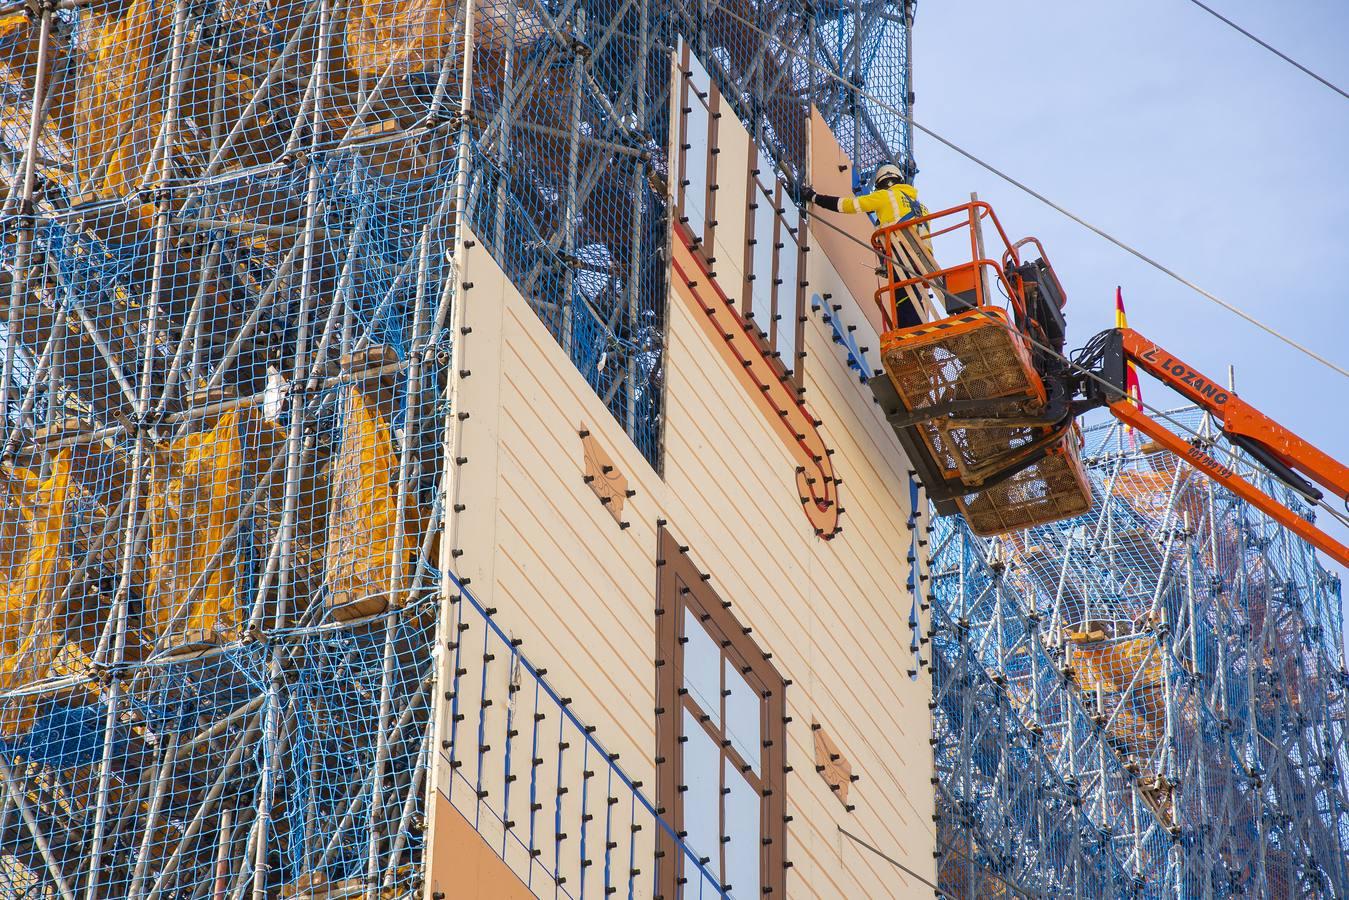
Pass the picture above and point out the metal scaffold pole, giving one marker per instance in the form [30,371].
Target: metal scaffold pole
[1185,628]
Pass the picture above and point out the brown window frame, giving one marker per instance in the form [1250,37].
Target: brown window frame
[681,585]
[769,338]
[688,95]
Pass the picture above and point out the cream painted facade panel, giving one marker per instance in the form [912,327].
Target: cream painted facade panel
[579,590]
[537,547]
[730,210]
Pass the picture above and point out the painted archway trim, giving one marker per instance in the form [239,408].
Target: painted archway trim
[764,380]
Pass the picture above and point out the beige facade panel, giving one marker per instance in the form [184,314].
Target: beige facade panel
[580,590]
[793,515]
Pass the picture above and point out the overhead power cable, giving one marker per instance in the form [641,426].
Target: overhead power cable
[911,873]
[1128,248]
[1281,55]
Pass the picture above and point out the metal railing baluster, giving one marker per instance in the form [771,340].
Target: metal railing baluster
[556,762]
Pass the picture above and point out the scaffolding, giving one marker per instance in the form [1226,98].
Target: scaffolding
[1176,659]
[227,249]
[227,245]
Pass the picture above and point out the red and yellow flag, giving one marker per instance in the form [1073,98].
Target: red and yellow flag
[1131,386]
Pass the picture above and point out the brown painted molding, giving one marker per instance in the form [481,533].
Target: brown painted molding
[609,484]
[766,382]
[680,584]
[832,765]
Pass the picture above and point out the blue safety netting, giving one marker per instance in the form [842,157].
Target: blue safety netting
[226,291]
[1177,655]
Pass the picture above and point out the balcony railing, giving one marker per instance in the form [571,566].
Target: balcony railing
[537,784]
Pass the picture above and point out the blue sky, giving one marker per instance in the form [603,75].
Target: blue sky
[1166,128]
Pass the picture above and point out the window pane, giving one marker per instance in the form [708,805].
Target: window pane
[702,667]
[788,257]
[743,705]
[761,263]
[744,828]
[790,214]
[695,165]
[702,811]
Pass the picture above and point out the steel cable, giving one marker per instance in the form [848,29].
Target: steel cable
[1281,55]
[1128,248]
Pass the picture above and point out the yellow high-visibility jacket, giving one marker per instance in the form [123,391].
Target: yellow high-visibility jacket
[890,205]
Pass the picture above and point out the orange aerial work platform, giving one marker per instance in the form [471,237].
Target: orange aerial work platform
[989,436]
[985,401]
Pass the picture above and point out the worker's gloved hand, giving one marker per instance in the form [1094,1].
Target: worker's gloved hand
[807,194]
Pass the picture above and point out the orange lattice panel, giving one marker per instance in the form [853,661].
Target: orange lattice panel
[971,357]
[979,356]
[1054,488]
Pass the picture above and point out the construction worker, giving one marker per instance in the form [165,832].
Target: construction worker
[892,201]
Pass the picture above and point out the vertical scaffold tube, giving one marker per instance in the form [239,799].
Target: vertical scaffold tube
[444,657]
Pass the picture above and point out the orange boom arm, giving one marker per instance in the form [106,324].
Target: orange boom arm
[1281,451]
[1238,417]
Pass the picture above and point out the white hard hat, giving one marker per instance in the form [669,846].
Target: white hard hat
[889,172]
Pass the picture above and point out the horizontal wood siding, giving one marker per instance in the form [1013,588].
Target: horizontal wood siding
[580,590]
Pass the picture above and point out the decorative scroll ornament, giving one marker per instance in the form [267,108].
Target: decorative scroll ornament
[765,381]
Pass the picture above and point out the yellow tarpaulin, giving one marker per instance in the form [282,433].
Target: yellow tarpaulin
[34,614]
[364,558]
[1112,665]
[406,36]
[1150,494]
[402,36]
[1117,667]
[1142,721]
[201,486]
[190,581]
[19,35]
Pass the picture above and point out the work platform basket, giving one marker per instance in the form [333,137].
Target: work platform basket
[965,392]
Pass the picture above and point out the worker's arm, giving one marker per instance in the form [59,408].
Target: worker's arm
[871,203]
